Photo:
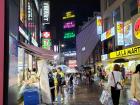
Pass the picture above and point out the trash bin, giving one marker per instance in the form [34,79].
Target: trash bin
[31,96]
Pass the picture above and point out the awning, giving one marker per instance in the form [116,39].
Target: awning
[38,52]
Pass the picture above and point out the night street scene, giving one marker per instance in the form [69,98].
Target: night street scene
[70,52]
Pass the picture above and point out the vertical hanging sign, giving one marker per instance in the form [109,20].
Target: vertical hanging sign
[119,30]
[46,12]
[99,25]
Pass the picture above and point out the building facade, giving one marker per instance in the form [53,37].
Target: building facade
[120,34]
[86,42]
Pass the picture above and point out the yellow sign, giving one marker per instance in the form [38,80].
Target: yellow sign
[125,52]
[68,15]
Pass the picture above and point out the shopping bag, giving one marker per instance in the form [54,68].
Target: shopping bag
[105,98]
[133,102]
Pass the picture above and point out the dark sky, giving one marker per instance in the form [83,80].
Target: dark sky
[82,8]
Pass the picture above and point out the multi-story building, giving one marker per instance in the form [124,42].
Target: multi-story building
[88,44]
[120,31]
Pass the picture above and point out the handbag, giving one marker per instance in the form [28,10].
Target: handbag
[133,101]
[106,98]
[118,85]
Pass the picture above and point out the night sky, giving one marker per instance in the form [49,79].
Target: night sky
[82,8]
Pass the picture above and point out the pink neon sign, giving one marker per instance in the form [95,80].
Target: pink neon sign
[69,24]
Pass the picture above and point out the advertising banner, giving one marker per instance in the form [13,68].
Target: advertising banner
[119,30]
[99,25]
[128,34]
[46,12]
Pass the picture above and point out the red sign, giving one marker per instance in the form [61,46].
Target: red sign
[1,49]
[137,29]
[46,35]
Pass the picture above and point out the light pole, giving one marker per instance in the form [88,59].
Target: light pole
[59,47]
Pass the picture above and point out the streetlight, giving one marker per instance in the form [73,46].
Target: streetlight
[60,46]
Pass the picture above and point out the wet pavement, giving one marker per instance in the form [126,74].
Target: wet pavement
[82,95]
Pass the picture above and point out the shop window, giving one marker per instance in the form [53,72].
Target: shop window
[130,9]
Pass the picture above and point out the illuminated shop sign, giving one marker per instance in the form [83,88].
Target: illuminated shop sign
[119,30]
[68,15]
[34,42]
[128,34]
[72,63]
[46,35]
[23,33]
[69,24]
[126,52]
[70,53]
[99,25]
[108,34]
[46,12]
[30,12]
[46,43]
[137,28]
[69,35]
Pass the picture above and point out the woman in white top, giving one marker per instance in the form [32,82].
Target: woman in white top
[115,77]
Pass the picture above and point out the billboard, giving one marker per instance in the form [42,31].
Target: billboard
[109,33]
[46,35]
[69,24]
[69,35]
[46,43]
[68,15]
[46,12]
[119,30]
[128,33]
[99,25]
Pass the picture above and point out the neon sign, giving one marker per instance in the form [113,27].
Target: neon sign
[69,35]
[68,15]
[69,24]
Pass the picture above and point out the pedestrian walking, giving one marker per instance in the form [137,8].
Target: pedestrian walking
[135,84]
[123,71]
[52,86]
[114,81]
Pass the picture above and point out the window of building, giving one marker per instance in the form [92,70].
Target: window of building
[110,2]
[116,15]
[108,22]
[130,9]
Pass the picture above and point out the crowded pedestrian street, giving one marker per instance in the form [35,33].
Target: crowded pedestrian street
[69,52]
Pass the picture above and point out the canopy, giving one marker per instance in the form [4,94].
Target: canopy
[121,60]
[39,52]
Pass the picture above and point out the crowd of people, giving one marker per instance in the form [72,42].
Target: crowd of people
[59,81]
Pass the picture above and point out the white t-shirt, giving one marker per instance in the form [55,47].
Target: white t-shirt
[117,76]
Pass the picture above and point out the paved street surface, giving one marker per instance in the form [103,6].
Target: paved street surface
[83,95]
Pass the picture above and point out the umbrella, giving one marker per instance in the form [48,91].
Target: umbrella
[63,67]
[71,71]
[121,60]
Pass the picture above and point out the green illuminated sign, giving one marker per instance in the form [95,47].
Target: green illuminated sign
[46,43]
[69,35]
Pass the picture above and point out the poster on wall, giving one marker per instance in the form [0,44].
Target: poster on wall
[13,61]
[119,30]
[128,34]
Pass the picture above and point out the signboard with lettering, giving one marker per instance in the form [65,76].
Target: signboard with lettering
[137,28]
[69,35]
[128,34]
[99,25]
[46,12]
[46,35]
[69,14]
[69,24]
[126,52]
[109,33]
